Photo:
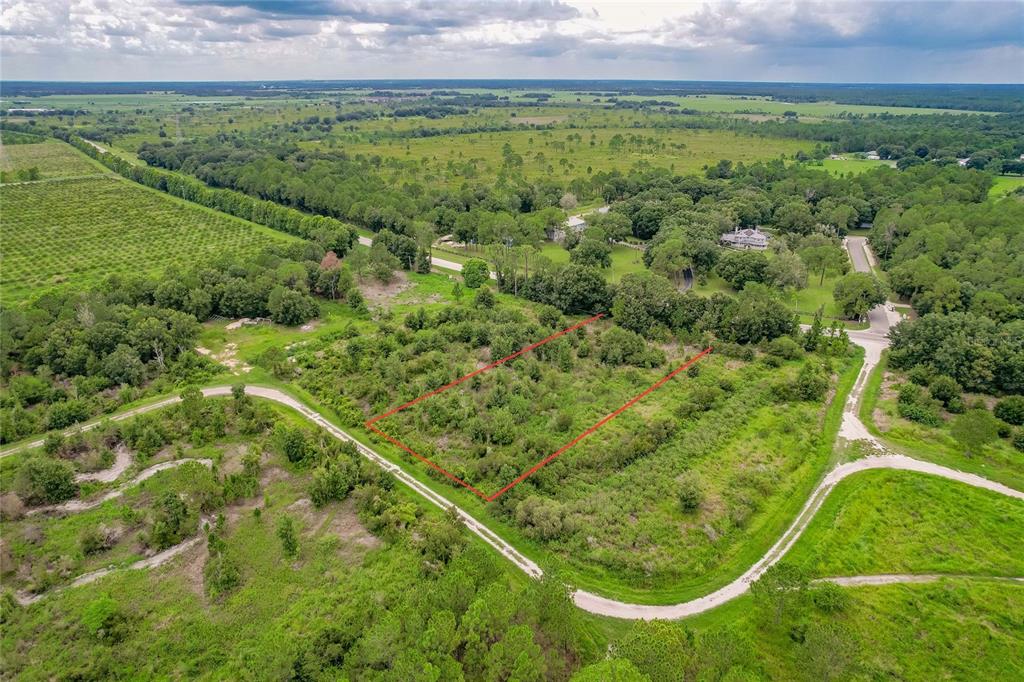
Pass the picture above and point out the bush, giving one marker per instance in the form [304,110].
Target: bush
[914,405]
[690,492]
[974,429]
[42,480]
[1018,440]
[785,347]
[475,273]
[830,598]
[331,482]
[1011,410]
[945,390]
[811,384]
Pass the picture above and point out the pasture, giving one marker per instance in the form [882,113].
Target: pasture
[76,232]
[53,158]
[451,160]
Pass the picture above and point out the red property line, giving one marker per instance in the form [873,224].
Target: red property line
[490,366]
[536,467]
[656,385]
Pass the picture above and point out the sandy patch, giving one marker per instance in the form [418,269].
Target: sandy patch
[227,357]
[377,293]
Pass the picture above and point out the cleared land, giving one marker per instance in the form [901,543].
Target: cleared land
[882,522]
[569,153]
[53,158]
[76,232]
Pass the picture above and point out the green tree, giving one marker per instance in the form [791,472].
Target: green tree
[857,293]
[289,538]
[592,252]
[475,273]
[690,491]
[41,480]
[739,267]
[658,649]
[778,588]
[1011,410]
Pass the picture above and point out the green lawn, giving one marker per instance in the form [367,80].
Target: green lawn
[850,165]
[624,259]
[878,522]
[1004,184]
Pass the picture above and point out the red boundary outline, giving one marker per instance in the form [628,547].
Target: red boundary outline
[539,465]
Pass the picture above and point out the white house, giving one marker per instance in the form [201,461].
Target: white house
[873,155]
[573,223]
[749,238]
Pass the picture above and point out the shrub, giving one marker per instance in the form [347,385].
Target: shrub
[811,384]
[830,598]
[974,429]
[914,405]
[690,492]
[1011,410]
[945,390]
[475,273]
[331,482]
[785,347]
[1018,440]
[42,480]
[289,538]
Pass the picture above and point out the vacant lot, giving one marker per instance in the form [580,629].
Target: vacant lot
[76,232]
[53,158]
[570,153]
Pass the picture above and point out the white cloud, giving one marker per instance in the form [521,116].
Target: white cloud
[727,39]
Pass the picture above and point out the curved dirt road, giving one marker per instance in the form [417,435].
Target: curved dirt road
[872,340]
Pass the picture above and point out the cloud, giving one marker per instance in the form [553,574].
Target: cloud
[720,39]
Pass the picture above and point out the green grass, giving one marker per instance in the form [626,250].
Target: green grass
[624,259]
[1005,184]
[964,629]
[998,461]
[878,522]
[74,233]
[452,159]
[53,158]
[850,165]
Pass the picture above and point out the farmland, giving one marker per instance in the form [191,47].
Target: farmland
[63,234]
[53,159]
[452,159]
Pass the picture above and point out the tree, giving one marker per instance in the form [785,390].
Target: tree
[290,307]
[169,523]
[974,429]
[658,649]
[643,301]
[123,366]
[857,293]
[592,252]
[475,273]
[41,480]
[755,315]
[787,271]
[670,258]
[821,255]
[778,587]
[1011,410]
[289,539]
[739,267]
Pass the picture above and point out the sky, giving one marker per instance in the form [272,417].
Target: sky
[924,41]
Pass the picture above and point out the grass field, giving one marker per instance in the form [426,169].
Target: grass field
[453,159]
[880,522]
[76,232]
[850,165]
[53,158]
[1004,184]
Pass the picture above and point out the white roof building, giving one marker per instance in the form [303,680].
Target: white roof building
[749,238]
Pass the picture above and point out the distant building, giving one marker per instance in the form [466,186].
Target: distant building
[574,224]
[749,238]
[963,162]
[873,155]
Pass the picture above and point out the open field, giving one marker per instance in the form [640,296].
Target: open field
[453,159]
[1004,184]
[883,522]
[53,158]
[851,165]
[76,232]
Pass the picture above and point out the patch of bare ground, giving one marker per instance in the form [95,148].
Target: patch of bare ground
[231,461]
[888,388]
[881,419]
[192,569]
[227,357]
[377,293]
[334,520]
